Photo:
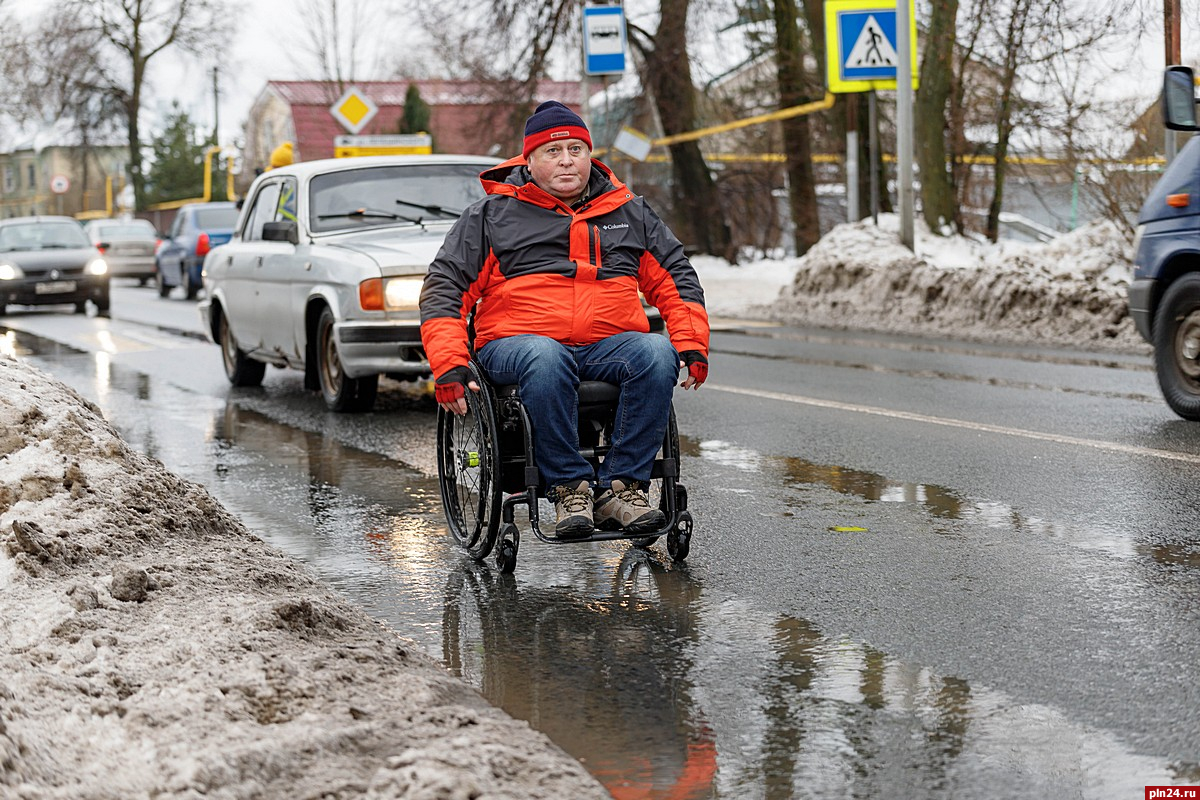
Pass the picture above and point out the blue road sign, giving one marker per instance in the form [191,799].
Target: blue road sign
[604,40]
[868,45]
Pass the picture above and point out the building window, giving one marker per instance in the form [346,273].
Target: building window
[32,176]
[10,178]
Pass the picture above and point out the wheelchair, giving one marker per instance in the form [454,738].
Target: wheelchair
[486,468]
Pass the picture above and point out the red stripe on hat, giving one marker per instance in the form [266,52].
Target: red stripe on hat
[535,140]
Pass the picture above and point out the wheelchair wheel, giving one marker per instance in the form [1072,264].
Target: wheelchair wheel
[669,450]
[468,472]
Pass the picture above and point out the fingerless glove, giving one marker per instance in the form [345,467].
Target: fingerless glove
[696,363]
[452,385]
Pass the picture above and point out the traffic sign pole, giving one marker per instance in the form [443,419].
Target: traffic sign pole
[904,125]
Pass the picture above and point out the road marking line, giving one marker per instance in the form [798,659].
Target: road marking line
[1095,444]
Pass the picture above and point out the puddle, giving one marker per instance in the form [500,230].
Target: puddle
[663,692]
[937,501]
[19,345]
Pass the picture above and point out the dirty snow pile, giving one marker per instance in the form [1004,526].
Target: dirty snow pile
[151,647]
[1068,292]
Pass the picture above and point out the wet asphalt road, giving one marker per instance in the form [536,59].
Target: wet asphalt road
[920,568]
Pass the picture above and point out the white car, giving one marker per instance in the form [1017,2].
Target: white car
[324,270]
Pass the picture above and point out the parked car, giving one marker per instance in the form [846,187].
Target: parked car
[198,228]
[1164,295]
[49,261]
[127,245]
[325,269]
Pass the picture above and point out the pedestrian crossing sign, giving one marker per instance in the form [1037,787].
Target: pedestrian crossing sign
[861,44]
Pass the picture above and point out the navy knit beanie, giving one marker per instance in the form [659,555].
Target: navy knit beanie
[552,120]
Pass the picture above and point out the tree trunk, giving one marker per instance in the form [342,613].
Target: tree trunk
[789,60]
[699,218]
[135,153]
[937,182]
[1008,79]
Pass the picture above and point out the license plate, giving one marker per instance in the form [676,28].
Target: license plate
[54,287]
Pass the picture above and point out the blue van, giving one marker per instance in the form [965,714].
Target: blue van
[1164,296]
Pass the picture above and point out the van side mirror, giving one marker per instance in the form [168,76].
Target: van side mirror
[1179,99]
[281,231]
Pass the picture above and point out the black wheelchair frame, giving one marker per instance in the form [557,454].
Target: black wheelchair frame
[486,468]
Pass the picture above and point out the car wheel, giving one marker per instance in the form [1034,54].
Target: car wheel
[339,392]
[190,289]
[163,289]
[239,367]
[1177,346]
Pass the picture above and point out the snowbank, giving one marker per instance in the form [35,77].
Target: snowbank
[1070,292]
[151,647]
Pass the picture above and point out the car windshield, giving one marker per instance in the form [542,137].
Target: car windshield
[42,236]
[131,230]
[359,198]
[215,219]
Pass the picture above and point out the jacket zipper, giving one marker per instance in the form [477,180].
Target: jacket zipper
[596,230]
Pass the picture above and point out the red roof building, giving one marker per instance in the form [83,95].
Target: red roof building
[466,117]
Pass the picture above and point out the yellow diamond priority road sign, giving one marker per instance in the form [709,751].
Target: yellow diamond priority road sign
[354,110]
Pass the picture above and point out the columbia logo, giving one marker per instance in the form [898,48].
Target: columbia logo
[559,134]
[614,226]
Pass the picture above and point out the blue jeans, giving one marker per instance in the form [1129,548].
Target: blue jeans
[644,365]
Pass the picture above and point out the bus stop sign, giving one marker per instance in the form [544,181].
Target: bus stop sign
[604,40]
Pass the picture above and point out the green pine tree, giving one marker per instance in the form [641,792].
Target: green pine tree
[416,112]
[177,166]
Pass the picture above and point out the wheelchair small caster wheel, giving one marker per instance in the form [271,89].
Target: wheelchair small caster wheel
[506,556]
[679,539]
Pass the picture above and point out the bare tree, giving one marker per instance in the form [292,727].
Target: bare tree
[1020,42]
[930,116]
[667,73]
[53,74]
[129,35]
[337,37]
[794,89]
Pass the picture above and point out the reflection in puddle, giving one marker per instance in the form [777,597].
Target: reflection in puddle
[938,501]
[663,693]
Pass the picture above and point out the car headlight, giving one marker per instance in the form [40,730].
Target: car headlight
[390,294]
[402,294]
[10,272]
[97,266]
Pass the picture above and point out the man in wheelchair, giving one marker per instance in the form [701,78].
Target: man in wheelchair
[550,262]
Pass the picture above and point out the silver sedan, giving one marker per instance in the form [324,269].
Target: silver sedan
[325,267]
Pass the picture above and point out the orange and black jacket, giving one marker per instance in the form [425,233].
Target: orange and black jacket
[535,265]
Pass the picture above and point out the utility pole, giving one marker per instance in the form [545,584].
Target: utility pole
[1171,14]
[216,110]
[904,124]
[852,204]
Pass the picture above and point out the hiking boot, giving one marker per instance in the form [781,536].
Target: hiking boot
[573,507]
[626,506]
